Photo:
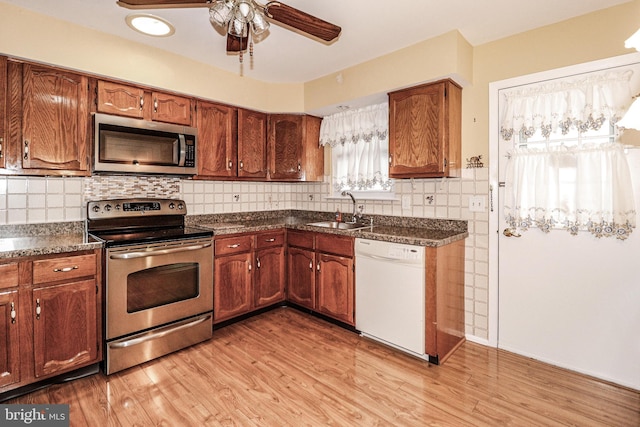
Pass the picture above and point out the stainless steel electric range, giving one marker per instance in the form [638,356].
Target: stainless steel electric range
[158,279]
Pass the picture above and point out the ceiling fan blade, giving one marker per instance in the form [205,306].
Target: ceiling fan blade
[161,4]
[302,21]
[236,44]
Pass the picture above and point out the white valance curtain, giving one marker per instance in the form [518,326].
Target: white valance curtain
[582,187]
[359,141]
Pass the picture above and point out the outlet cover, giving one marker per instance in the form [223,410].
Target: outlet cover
[477,204]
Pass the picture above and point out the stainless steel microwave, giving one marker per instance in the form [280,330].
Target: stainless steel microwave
[126,145]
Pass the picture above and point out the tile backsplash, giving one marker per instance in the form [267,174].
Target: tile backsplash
[31,200]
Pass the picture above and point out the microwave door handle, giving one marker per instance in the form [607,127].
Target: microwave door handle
[183,149]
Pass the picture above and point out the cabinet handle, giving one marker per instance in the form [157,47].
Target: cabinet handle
[26,149]
[257,262]
[270,240]
[1,142]
[65,269]
[13,313]
[230,164]
[241,165]
[390,159]
[155,105]
[318,266]
[299,167]
[445,162]
[249,266]
[310,265]
[38,309]
[236,245]
[141,103]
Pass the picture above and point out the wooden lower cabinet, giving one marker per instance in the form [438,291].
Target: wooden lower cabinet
[301,277]
[335,288]
[321,273]
[50,317]
[249,273]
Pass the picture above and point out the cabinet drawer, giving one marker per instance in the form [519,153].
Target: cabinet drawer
[9,275]
[234,245]
[334,244]
[71,267]
[267,240]
[302,239]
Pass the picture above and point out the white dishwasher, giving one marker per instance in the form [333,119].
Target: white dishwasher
[390,294]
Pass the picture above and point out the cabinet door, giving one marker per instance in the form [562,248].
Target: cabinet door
[4,125]
[232,286]
[9,344]
[171,108]
[119,99]
[269,279]
[301,277]
[252,144]
[54,119]
[64,326]
[285,147]
[335,287]
[217,127]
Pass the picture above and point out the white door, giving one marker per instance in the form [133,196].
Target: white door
[573,301]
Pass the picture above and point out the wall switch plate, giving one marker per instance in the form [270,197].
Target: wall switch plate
[477,203]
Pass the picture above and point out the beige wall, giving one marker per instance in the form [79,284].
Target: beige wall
[33,36]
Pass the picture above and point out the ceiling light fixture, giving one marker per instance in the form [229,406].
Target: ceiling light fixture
[243,20]
[150,25]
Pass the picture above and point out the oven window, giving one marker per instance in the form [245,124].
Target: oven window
[162,285]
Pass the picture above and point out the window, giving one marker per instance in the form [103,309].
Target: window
[359,141]
[566,167]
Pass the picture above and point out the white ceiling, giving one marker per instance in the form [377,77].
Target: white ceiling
[370,28]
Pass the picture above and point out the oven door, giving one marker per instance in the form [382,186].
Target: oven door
[155,284]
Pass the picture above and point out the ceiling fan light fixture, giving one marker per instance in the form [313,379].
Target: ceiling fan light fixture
[259,24]
[220,12]
[244,11]
[150,25]
[238,28]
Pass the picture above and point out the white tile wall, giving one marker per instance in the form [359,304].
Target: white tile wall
[29,200]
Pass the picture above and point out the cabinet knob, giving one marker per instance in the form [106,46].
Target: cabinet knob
[38,309]
[13,313]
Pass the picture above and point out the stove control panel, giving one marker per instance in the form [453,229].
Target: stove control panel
[122,208]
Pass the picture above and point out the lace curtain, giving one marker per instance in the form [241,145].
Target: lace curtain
[359,141]
[583,187]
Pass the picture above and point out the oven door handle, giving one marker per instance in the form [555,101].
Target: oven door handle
[159,333]
[155,252]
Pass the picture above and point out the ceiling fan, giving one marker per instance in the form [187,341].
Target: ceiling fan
[242,19]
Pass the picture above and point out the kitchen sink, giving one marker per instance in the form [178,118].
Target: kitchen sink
[340,225]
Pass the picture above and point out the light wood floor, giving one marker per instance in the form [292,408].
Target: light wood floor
[287,368]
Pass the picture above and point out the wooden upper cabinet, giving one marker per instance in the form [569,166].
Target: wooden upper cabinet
[171,108]
[217,147]
[285,146]
[252,144]
[55,119]
[425,131]
[132,101]
[294,151]
[119,99]
[3,109]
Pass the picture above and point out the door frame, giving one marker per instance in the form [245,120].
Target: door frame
[494,139]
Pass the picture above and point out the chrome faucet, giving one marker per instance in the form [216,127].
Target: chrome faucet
[346,193]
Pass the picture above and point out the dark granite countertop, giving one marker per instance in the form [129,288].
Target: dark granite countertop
[412,231]
[43,239]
